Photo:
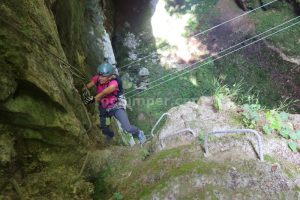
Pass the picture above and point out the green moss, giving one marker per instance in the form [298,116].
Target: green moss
[147,191]
[280,13]
[170,153]
[269,158]
[258,78]
[186,168]
[103,189]
[7,150]
[291,170]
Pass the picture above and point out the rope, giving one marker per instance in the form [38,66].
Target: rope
[202,32]
[215,59]
[231,47]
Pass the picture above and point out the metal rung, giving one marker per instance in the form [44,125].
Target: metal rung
[237,131]
[161,117]
[162,145]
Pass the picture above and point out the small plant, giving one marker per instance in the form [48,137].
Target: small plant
[251,115]
[218,98]
[277,122]
[293,146]
[145,153]
[294,137]
[222,91]
[287,104]
[201,138]
[118,196]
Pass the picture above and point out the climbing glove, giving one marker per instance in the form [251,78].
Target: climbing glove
[85,92]
[88,100]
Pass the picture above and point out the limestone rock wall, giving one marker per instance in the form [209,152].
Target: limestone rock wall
[47,49]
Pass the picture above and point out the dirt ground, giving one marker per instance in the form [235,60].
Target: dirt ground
[230,33]
[239,30]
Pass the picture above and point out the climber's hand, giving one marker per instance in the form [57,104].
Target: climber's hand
[85,91]
[88,100]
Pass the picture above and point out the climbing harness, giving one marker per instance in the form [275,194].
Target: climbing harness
[202,32]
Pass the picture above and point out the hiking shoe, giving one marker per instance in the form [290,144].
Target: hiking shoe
[141,137]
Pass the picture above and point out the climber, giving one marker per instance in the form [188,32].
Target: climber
[111,101]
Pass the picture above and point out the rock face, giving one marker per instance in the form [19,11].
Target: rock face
[201,118]
[182,171]
[42,119]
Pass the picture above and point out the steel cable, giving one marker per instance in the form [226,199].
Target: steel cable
[231,47]
[215,59]
[202,32]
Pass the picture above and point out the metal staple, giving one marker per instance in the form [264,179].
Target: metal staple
[238,131]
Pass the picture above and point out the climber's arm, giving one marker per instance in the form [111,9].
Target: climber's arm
[90,84]
[105,92]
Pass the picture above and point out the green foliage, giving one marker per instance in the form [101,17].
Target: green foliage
[270,158]
[267,130]
[251,115]
[257,83]
[278,122]
[280,12]
[145,153]
[222,91]
[118,196]
[101,186]
[295,136]
[218,101]
[126,138]
[201,138]
[286,130]
[286,105]
[159,100]
[219,95]
[274,120]
[293,146]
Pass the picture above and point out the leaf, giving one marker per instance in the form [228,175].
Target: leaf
[267,129]
[298,135]
[276,125]
[274,119]
[284,134]
[269,115]
[287,130]
[256,117]
[218,102]
[295,136]
[118,196]
[284,116]
[293,146]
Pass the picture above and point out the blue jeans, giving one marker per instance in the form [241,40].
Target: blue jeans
[121,115]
